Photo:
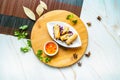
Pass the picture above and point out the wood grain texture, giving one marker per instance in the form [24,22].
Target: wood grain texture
[40,35]
[13,9]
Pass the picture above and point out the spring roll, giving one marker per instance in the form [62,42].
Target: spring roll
[65,30]
[64,37]
[71,39]
[56,31]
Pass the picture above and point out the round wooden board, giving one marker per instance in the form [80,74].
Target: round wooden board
[40,35]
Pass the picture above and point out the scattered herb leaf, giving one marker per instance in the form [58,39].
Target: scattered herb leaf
[39,52]
[99,18]
[21,34]
[24,27]
[24,49]
[74,21]
[88,54]
[69,17]
[16,33]
[47,59]
[89,24]
[29,43]
[75,56]
[41,58]
[79,64]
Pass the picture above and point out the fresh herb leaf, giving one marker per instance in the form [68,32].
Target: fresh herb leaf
[16,33]
[47,59]
[69,16]
[20,35]
[41,58]
[39,53]
[29,43]
[74,21]
[24,27]
[24,49]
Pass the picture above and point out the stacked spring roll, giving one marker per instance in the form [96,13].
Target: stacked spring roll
[64,34]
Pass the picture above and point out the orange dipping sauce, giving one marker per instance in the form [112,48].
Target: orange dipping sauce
[51,48]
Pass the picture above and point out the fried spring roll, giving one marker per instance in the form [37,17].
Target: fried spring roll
[64,37]
[56,31]
[65,30]
[71,39]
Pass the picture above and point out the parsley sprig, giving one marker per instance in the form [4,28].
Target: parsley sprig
[44,59]
[27,47]
[22,34]
[71,18]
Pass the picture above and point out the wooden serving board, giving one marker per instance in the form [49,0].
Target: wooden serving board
[40,36]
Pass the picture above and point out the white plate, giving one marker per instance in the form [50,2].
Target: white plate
[76,43]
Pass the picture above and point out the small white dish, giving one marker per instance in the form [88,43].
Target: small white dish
[50,48]
[75,44]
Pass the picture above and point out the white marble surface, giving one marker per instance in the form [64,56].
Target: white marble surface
[104,45]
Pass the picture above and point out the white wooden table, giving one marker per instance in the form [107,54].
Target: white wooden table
[104,45]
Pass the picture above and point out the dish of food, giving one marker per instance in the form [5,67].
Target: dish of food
[64,34]
[50,48]
[68,55]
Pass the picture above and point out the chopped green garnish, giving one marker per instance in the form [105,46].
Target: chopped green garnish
[74,21]
[29,43]
[20,35]
[16,33]
[41,58]
[24,27]
[39,52]
[47,59]
[69,16]
[24,49]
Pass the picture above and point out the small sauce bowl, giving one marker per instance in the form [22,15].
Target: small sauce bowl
[51,48]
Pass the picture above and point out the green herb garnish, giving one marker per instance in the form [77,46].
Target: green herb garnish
[74,21]
[47,59]
[69,16]
[41,58]
[24,27]
[39,55]
[29,43]
[39,52]
[24,49]
[21,33]
[16,33]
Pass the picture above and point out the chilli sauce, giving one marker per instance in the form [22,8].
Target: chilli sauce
[51,48]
